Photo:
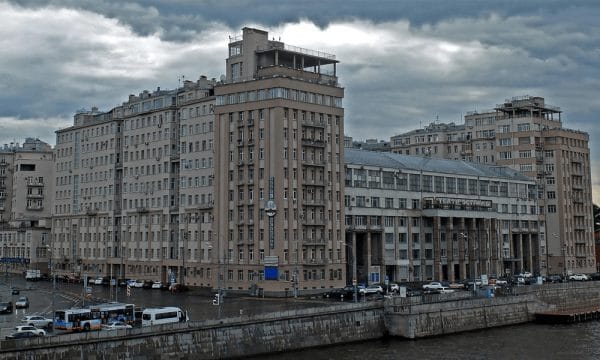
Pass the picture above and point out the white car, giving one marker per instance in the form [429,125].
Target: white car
[434,285]
[33,329]
[371,289]
[525,274]
[157,285]
[37,321]
[578,277]
[98,281]
[445,290]
[139,284]
[394,287]
[22,302]
[116,325]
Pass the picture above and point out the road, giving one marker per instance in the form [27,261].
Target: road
[70,295]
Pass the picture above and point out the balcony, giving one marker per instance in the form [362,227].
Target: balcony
[313,202]
[35,207]
[313,222]
[308,162]
[314,241]
[141,209]
[35,196]
[34,182]
[313,142]
[315,262]
[206,205]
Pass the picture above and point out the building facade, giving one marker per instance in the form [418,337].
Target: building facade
[279,148]
[412,218]
[26,198]
[527,134]
[222,184]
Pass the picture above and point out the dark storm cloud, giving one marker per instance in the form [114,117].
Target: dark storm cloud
[403,63]
[179,19]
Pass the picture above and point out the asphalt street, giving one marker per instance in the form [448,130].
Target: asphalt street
[40,294]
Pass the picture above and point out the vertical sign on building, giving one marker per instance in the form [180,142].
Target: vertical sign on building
[271,210]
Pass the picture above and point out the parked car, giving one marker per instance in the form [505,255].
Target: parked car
[15,291]
[6,307]
[594,276]
[22,302]
[157,285]
[525,274]
[434,285]
[37,321]
[445,290]
[175,287]
[98,281]
[131,282]
[148,284]
[394,287]
[554,278]
[116,325]
[21,335]
[139,284]
[578,277]
[456,285]
[33,329]
[371,289]
[346,293]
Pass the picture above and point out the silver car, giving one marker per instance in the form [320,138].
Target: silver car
[37,321]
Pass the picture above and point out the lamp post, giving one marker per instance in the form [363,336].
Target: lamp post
[564,251]
[354,279]
[219,297]
[51,267]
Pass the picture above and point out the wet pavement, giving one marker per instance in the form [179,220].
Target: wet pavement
[199,307]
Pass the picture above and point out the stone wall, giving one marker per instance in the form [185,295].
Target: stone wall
[439,318]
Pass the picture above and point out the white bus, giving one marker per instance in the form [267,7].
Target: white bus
[163,315]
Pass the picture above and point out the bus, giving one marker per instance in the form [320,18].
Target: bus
[77,319]
[113,311]
[163,315]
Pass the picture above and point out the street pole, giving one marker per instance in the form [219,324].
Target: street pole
[354,276]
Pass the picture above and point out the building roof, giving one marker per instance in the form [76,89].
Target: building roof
[422,163]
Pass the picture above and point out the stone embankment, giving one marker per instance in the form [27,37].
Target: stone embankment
[297,329]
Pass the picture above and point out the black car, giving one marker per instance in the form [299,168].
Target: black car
[6,307]
[15,291]
[347,293]
[554,279]
[21,335]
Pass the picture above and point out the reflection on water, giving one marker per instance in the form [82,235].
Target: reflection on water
[529,341]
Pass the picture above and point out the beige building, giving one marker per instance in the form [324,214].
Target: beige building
[134,187]
[411,218]
[279,148]
[25,204]
[527,134]
[137,194]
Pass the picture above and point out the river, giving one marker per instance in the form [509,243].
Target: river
[528,341]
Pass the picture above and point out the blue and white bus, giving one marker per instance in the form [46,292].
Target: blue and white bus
[78,319]
[114,312]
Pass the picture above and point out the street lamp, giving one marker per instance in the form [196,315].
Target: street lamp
[466,241]
[51,266]
[219,297]
[354,279]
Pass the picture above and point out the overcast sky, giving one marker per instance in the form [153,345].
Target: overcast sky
[403,63]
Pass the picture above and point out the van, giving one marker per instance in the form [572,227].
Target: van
[163,315]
